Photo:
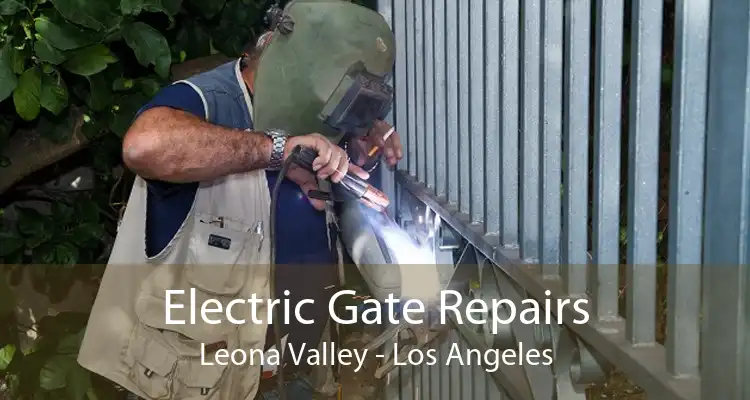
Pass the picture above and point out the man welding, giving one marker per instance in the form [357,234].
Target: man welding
[207,153]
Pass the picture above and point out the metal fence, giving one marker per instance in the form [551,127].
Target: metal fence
[523,136]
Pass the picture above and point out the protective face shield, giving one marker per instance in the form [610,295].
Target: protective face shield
[325,70]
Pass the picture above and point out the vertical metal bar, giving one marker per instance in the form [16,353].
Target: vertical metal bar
[419,86]
[411,150]
[492,150]
[530,61]
[455,370]
[451,83]
[688,148]
[606,196]
[551,141]
[440,83]
[387,176]
[416,379]
[643,174]
[475,166]
[466,372]
[429,95]
[509,114]
[576,143]
[479,378]
[400,81]
[445,371]
[726,356]
[464,107]
[494,391]
[425,376]
[406,380]
[435,371]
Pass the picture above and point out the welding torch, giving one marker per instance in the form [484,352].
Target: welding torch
[357,187]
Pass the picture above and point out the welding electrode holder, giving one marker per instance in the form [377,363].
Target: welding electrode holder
[356,187]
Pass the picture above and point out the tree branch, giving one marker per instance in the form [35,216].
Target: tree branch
[198,65]
[28,151]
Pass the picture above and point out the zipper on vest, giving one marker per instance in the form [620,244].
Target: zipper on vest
[219,221]
[259,232]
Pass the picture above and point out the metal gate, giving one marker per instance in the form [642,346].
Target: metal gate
[537,130]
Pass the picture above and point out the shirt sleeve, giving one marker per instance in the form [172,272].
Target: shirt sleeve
[168,204]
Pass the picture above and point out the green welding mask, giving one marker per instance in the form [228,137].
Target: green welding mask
[326,70]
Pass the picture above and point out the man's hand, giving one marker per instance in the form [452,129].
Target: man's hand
[390,147]
[332,162]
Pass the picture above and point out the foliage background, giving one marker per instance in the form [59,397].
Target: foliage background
[72,75]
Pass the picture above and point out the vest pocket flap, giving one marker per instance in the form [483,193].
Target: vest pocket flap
[193,374]
[154,356]
[152,363]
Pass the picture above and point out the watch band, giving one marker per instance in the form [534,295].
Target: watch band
[278,139]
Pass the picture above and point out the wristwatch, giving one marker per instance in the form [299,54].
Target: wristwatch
[278,137]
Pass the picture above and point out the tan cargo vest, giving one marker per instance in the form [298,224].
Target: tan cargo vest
[222,252]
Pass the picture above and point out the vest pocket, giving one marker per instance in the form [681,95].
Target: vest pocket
[219,256]
[152,363]
[195,381]
[167,365]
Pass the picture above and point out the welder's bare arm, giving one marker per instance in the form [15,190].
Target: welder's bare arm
[175,146]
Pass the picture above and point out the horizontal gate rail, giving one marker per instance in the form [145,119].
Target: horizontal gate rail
[598,149]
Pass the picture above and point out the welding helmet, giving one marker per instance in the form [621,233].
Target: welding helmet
[326,69]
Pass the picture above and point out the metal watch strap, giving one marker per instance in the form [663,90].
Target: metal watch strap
[277,154]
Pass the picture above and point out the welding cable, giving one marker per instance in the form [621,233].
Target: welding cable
[276,321]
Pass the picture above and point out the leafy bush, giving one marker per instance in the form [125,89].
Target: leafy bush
[73,73]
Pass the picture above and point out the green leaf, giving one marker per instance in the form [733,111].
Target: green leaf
[53,374]
[8,80]
[64,35]
[99,15]
[31,222]
[99,94]
[38,239]
[54,96]
[71,343]
[89,60]
[85,233]
[172,6]
[207,9]
[6,356]
[135,7]
[10,7]
[194,39]
[26,95]
[66,254]
[86,210]
[235,27]
[47,53]
[62,212]
[128,105]
[149,86]
[17,60]
[10,242]
[150,47]
[78,383]
[122,84]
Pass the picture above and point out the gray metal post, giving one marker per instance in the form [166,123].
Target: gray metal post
[726,355]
